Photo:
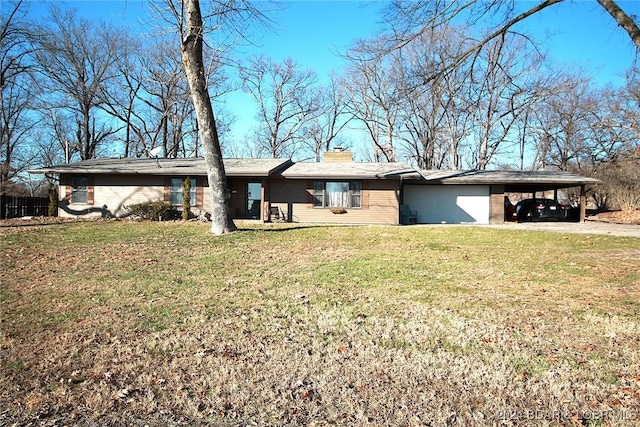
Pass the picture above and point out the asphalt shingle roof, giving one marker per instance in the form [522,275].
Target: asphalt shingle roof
[347,170]
[504,177]
[191,166]
[513,180]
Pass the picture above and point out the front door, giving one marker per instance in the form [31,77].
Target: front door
[254,192]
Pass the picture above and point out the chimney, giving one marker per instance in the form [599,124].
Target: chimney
[338,156]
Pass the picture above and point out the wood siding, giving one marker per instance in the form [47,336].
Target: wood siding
[294,198]
[496,215]
[380,203]
[113,193]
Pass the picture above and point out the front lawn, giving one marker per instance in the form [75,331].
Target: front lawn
[123,323]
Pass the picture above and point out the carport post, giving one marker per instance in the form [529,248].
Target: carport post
[583,204]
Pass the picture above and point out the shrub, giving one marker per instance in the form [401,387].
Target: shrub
[154,211]
[622,181]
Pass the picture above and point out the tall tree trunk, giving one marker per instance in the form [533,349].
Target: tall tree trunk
[191,48]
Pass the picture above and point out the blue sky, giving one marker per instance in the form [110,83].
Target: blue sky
[579,32]
[311,31]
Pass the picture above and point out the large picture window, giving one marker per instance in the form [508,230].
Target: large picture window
[79,189]
[175,196]
[337,194]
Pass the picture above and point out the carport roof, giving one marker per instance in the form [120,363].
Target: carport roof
[514,181]
[190,166]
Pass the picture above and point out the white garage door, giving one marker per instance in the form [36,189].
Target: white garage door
[449,204]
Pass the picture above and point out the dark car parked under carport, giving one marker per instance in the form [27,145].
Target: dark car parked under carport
[542,210]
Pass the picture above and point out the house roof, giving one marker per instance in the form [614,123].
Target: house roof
[191,166]
[514,181]
[347,170]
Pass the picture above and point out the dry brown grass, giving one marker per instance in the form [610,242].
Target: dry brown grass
[621,217]
[117,323]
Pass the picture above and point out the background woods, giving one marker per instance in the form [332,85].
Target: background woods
[456,87]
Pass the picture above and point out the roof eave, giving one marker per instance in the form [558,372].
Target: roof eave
[350,177]
[164,168]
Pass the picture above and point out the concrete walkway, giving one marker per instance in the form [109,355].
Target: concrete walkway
[587,227]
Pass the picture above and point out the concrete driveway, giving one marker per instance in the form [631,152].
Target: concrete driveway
[587,227]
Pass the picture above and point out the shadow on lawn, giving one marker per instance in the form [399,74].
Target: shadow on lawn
[285,228]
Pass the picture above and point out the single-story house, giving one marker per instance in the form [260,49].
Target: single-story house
[336,190]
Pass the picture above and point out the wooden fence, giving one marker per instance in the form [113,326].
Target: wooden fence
[18,206]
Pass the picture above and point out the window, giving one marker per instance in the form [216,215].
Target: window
[335,194]
[175,196]
[79,189]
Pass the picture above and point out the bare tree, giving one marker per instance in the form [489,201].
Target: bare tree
[150,96]
[613,128]
[626,113]
[121,97]
[500,88]
[77,59]
[467,111]
[47,140]
[429,115]
[325,130]
[14,44]
[622,183]
[409,20]
[563,124]
[502,69]
[615,152]
[372,97]
[187,19]
[17,127]
[166,97]
[444,138]
[457,109]
[287,99]
[17,91]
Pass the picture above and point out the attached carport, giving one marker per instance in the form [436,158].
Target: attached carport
[478,196]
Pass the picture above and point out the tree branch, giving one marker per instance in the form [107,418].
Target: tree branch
[624,20]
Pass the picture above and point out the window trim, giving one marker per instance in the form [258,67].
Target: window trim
[73,192]
[196,190]
[320,199]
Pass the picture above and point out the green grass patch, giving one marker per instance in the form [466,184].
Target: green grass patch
[294,325]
